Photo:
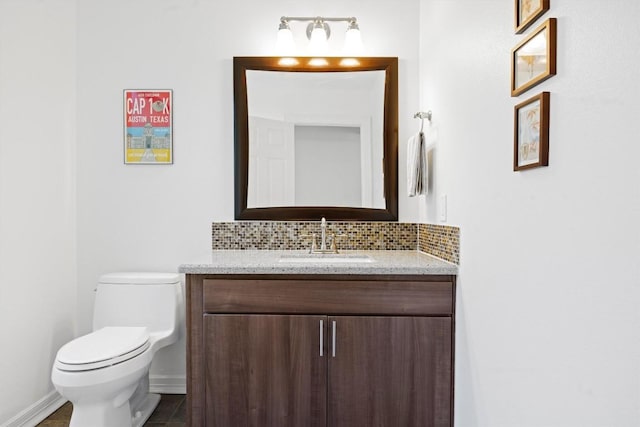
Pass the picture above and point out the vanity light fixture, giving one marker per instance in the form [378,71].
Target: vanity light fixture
[284,43]
[353,39]
[318,32]
[318,39]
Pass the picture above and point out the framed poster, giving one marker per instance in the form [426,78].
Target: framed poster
[527,11]
[534,59]
[531,133]
[148,126]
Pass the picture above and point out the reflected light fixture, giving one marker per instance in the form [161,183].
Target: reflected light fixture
[349,62]
[318,32]
[318,62]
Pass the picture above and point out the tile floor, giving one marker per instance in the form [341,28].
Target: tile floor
[171,412]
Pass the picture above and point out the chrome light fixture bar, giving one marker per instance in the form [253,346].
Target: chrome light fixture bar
[318,32]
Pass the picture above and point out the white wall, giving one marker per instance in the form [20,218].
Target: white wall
[548,319]
[37,200]
[327,166]
[133,217]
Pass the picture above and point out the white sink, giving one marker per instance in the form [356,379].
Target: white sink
[325,258]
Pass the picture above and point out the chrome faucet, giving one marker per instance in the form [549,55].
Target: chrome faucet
[323,249]
[323,234]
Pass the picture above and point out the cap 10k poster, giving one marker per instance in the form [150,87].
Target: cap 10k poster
[148,136]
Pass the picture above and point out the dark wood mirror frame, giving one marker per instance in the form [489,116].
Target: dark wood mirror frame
[241,133]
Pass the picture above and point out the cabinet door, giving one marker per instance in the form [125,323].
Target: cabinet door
[390,371]
[264,370]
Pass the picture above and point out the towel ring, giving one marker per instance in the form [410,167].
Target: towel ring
[422,115]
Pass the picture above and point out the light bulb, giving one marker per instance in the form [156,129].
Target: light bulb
[352,42]
[284,43]
[318,43]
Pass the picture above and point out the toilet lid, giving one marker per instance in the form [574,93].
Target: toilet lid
[104,347]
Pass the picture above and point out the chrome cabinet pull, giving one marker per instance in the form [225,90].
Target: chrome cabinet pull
[321,336]
[333,339]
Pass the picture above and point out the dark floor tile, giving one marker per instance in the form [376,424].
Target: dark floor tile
[60,418]
[170,412]
[168,405]
[180,415]
[62,413]
[54,423]
[169,424]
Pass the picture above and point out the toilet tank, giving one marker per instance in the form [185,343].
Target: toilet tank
[154,300]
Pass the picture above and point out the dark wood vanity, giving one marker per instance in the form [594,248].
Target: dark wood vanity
[320,350]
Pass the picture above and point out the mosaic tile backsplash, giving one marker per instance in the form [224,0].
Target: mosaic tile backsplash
[441,241]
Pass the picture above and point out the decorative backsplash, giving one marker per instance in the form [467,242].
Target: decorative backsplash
[442,241]
[292,235]
[439,240]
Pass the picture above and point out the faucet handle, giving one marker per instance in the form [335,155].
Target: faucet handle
[334,247]
[313,241]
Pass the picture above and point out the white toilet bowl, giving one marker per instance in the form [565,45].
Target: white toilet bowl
[105,374]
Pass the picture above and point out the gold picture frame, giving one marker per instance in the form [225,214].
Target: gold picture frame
[527,11]
[531,132]
[533,60]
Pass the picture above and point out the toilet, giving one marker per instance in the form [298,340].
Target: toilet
[105,374]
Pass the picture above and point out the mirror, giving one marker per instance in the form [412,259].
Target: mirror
[314,141]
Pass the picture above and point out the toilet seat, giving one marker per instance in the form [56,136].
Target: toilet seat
[105,347]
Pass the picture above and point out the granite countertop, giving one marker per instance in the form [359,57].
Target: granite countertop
[301,262]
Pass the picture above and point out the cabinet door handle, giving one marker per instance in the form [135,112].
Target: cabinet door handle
[321,336]
[333,339]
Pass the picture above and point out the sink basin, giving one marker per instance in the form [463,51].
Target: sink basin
[325,258]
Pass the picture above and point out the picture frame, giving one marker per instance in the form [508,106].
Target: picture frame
[527,12]
[531,132]
[533,60]
[148,126]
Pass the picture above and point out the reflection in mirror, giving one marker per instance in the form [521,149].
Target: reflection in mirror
[316,141]
[328,167]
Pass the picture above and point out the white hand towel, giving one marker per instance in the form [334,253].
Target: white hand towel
[413,165]
[417,166]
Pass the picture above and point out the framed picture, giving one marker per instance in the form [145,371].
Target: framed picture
[148,126]
[534,59]
[527,11]
[531,133]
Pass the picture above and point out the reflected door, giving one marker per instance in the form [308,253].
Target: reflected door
[271,163]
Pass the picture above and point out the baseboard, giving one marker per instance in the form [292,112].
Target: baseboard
[37,412]
[168,384]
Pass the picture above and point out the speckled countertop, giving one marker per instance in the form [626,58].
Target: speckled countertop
[300,262]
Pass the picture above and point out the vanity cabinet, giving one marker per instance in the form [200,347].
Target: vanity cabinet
[263,370]
[320,350]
